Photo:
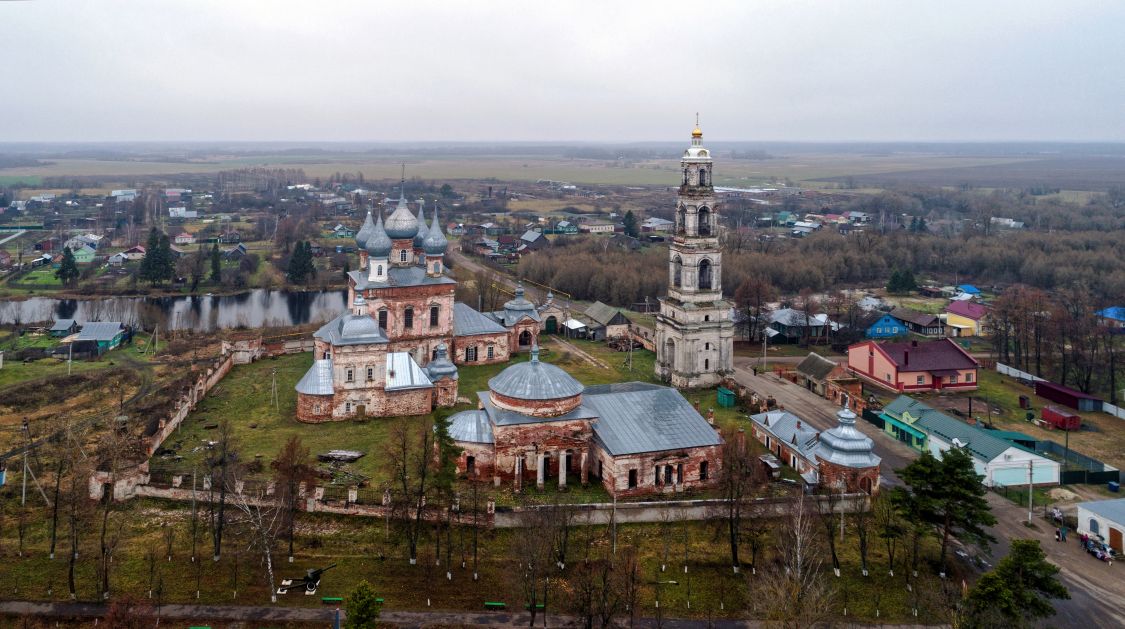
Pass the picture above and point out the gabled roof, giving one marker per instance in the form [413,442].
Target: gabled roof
[936,355]
[1113,510]
[469,322]
[788,428]
[1117,313]
[471,427]
[967,309]
[62,325]
[983,445]
[968,288]
[636,417]
[403,373]
[603,313]
[816,366]
[531,236]
[100,330]
[923,319]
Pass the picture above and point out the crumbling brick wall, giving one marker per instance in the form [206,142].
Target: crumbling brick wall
[501,351]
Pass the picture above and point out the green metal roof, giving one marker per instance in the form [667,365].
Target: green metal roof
[981,443]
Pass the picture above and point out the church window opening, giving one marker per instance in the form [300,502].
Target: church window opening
[685,177]
[491,352]
[706,364]
[347,407]
[433,316]
[351,375]
[402,255]
[383,319]
[706,318]
[703,470]
[703,176]
[679,473]
[471,465]
[471,354]
[408,318]
[677,271]
[433,354]
[705,275]
[706,345]
[437,267]
[370,373]
[704,221]
[379,270]
[525,338]
[632,479]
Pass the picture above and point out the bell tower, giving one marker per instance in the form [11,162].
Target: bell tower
[694,330]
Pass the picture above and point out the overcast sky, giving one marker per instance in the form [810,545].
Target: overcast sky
[525,71]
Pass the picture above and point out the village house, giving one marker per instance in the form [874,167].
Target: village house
[914,365]
[792,326]
[965,318]
[886,327]
[64,327]
[921,323]
[184,238]
[83,255]
[841,458]
[1113,318]
[999,461]
[605,322]
[657,224]
[1103,520]
[593,227]
[537,422]
[532,241]
[814,372]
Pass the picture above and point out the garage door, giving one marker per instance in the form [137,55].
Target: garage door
[1115,539]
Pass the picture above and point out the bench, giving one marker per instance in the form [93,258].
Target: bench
[494,605]
[537,606]
[329,600]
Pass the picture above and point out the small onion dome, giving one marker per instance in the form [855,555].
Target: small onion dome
[519,303]
[379,244]
[524,386]
[697,132]
[441,367]
[365,231]
[845,445]
[420,237]
[435,242]
[401,224]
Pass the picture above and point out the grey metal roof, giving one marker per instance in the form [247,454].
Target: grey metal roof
[420,237]
[535,380]
[435,242]
[1109,509]
[398,276]
[845,445]
[365,231]
[62,325]
[602,313]
[531,235]
[404,373]
[401,223]
[788,428]
[441,367]
[100,330]
[636,417]
[471,427]
[515,309]
[469,322]
[318,379]
[504,417]
[350,329]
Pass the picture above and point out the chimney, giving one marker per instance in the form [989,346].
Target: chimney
[906,358]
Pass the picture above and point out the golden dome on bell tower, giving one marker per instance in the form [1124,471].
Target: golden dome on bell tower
[697,132]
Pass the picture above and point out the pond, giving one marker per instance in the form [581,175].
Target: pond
[253,309]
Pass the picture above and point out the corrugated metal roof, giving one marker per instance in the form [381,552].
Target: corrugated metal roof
[636,417]
[787,427]
[471,427]
[1109,509]
[62,324]
[845,445]
[535,380]
[602,313]
[404,373]
[349,329]
[318,379]
[100,330]
[980,443]
[816,366]
[469,322]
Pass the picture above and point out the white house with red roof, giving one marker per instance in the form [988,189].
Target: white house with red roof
[184,238]
[914,365]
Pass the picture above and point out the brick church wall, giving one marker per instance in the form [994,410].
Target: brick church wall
[499,341]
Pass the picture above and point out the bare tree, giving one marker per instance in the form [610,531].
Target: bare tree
[262,520]
[794,592]
[223,460]
[889,527]
[411,460]
[532,552]
[291,468]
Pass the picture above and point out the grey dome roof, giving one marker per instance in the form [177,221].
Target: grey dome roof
[365,231]
[401,223]
[535,380]
[378,243]
[845,445]
[441,367]
[519,303]
[420,237]
[435,243]
[351,329]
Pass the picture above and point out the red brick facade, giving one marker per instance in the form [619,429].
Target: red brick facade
[852,479]
[481,342]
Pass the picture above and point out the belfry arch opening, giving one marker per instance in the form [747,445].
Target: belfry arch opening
[704,221]
[705,275]
[677,271]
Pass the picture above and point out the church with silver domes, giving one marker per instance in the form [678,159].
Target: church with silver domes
[394,351]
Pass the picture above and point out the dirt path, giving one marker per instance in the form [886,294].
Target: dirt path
[581,354]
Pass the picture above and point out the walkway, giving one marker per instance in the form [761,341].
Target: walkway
[13,236]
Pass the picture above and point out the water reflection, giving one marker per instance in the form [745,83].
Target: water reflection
[252,309]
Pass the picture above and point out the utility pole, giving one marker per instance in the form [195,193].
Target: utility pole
[1030,476]
[273,389]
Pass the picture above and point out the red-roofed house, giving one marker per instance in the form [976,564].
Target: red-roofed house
[965,318]
[183,238]
[913,365]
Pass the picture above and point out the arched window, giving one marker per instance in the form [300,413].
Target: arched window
[379,270]
[437,267]
[702,176]
[670,353]
[677,271]
[703,470]
[383,319]
[408,318]
[681,219]
[402,255]
[471,354]
[433,316]
[705,275]
[704,221]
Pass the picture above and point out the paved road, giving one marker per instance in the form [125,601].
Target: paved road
[1097,590]
[12,237]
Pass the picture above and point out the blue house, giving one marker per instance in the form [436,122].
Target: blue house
[1113,318]
[969,289]
[886,327]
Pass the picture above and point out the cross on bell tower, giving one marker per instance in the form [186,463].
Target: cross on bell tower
[694,331]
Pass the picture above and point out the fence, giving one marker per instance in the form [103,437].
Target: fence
[874,418]
[1016,373]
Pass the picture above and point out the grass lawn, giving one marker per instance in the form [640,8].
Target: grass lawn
[15,372]
[42,275]
[367,549]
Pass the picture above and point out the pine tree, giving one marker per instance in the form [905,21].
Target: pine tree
[216,263]
[68,270]
[363,608]
[630,223]
[300,263]
[1018,590]
[307,262]
[149,263]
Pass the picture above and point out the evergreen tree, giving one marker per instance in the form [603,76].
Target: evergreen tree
[362,608]
[68,271]
[150,263]
[347,269]
[1018,590]
[216,263]
[630,223]
[307,261]
[949,496]
[301,264]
